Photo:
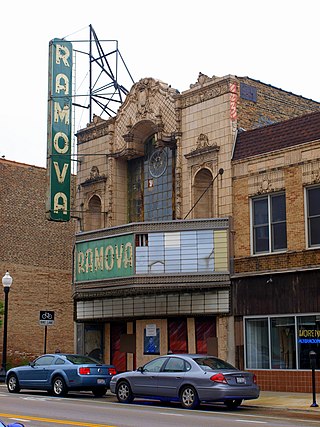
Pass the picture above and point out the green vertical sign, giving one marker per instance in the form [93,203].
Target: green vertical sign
[59,130]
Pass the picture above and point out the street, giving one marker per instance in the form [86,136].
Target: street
[38,409]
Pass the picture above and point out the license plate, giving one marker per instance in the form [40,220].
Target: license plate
[101,381]
[240,380]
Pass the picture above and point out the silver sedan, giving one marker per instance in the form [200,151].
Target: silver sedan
[186,378]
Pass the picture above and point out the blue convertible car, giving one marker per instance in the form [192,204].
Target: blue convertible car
[60,373]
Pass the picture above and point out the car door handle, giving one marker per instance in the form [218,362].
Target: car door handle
[178,378]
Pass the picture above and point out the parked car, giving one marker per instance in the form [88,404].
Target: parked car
[11,425]
[187,378]
[60,373]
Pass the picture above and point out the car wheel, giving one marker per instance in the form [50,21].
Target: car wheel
[59,387]
[124,393]
[13,384]
[189,397]
[233,403]
[99,391]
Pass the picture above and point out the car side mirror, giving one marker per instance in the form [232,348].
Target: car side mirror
[31,364]
[140,369]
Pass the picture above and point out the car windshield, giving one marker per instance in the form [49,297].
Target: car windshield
[81,360]
[212,363]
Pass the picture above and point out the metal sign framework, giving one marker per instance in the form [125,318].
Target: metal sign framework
[105,92]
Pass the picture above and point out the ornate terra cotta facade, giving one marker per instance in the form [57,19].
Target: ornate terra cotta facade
[154,247]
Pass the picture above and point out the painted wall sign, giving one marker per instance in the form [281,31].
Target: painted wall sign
[104,258]
[59,130]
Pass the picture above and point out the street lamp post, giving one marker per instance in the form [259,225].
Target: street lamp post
[6,282]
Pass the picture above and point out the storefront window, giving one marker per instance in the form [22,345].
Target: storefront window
[283,354]
[308,340]
[257,344]
[93,341]
[282,342]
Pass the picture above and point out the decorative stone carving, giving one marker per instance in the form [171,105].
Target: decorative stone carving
[203,148]
[263,183]
[143,102]
[96,129]
[315,177]
[202,141]
[211,89]
[202,78]
[94,173]
[94,177]
[265,186]
[311,173]
[166,140]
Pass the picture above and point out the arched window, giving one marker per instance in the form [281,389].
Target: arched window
[94,213]
[203,194]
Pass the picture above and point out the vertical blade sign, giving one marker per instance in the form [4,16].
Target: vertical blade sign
[59,130]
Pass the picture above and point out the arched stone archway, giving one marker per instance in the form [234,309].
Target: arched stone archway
[203,194]
[94,213]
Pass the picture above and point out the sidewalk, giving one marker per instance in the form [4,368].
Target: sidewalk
[285,400]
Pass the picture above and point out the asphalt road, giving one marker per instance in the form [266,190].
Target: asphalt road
[38,409]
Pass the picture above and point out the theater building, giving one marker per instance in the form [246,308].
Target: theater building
[154,258]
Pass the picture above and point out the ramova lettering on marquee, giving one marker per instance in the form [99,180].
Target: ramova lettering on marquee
[59,130]
[104,258]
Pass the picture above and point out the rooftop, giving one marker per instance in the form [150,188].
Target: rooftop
[278,136]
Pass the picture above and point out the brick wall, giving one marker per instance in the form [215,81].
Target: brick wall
[287,381]
[272,105]
[38,255]
[291,176]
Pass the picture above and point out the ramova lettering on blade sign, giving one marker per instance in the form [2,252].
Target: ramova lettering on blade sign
[105,258]
[59,130]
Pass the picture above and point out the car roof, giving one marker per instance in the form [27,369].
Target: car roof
[192,356]
[62,354]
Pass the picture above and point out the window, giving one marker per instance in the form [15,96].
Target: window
[212,363]
[282,342]
[283,352]
[175,252]
[257,347]
[44,360]
[175,365]
[308,339]
[155,365]
[313,216]
[269,223]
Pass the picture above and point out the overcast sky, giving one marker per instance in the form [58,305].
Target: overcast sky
[276,42]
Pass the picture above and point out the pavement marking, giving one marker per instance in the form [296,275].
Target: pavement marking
[173,415]
[42,399]
[248,421]
[51,420]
